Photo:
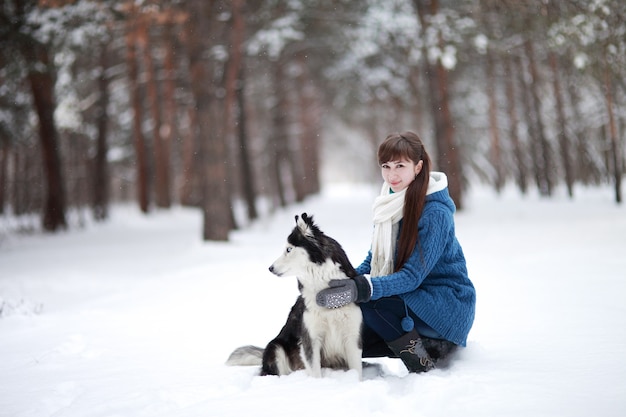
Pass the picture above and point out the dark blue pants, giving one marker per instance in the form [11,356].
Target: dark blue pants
[384,317]
[382,323]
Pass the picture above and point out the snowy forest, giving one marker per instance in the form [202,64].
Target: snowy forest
[153,155]
[211,103]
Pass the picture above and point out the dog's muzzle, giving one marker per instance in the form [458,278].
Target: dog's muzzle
[274,271]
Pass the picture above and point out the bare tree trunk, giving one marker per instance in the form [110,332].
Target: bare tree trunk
[437,78]
[234,62]
[100,192]
[76,172]
[41,80]
[496,151]
[205,27]
[19,183]
[563,138]
[490,27]
[244,152]
[169,125]
[295,160]
[546,167]
[4,167]
[293,141]
[138,138]
[587,171]
[616,160]
[232,71]
[161,159]
[531,125]
[28,187]
[190,193]
[309,130]
[279,133]
[415,84]
[449,154]
[521,177]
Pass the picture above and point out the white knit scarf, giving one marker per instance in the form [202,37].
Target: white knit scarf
[387,214]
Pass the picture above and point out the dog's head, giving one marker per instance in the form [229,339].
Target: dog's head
[309,248]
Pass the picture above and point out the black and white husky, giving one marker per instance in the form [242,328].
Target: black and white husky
[313,337]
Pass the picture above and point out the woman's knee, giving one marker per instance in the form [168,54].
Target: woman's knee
[383,317]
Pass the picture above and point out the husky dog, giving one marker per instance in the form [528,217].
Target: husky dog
[313,337]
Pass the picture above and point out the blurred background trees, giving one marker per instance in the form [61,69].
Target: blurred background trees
[238,107]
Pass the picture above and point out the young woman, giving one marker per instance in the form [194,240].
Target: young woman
[413,288]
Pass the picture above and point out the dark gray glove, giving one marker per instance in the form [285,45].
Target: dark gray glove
[344,291]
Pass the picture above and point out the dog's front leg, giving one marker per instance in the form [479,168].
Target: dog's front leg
[354,358]
[312,358]
[316,361]
[310,351]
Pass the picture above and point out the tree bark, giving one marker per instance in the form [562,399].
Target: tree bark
[563,138]
[521,170]
[169,126]
[496,149]
[278,140]
[4,165]
[19,185]
[190,190]
[161,158]
[100,204]
[437,78]
[309,129]
[588,172]
[544,157]
[612,129]
[41,80]
[138,138]
[205,28]
[247,176]
[231,74]
[531,125]
[234,62]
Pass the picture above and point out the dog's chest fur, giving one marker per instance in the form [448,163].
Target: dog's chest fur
[330,327]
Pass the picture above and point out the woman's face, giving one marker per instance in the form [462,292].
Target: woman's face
[400,173]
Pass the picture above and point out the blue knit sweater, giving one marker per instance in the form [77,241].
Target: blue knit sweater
[437,289]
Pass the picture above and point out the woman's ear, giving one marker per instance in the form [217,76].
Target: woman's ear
[418,167]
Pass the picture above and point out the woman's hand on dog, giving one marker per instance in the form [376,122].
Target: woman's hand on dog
[345,291]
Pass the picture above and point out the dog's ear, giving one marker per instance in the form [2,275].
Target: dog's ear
[307,219]
[305,224]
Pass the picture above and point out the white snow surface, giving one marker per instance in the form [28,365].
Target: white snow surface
[136,317]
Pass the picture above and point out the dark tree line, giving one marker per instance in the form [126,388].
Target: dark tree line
[507,90]
[539,57]
[185,123]
[224,103]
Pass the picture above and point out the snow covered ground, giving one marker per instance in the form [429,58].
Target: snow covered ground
[137,316]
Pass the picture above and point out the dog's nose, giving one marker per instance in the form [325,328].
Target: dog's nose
[271,268]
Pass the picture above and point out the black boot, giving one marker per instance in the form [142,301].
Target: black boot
[410,350]
[438,349]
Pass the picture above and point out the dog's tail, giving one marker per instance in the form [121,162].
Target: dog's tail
[246,356]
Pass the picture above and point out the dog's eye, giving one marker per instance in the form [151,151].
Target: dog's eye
[288,249]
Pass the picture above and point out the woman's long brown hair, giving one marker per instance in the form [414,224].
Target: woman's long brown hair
[409,146]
